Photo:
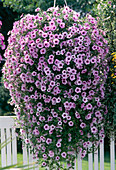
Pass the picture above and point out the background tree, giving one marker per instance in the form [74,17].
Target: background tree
[29,6]
[7,16]
[5,108]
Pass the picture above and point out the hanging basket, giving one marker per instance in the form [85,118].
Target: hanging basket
[55,70]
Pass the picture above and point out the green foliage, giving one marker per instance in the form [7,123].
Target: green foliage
[5,108]
[29,6]
[111,96]
[7,16]
[105,12]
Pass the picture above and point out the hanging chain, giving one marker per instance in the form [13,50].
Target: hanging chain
[55,3]
[65,2]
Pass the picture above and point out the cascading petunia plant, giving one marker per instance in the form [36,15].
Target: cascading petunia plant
[55,70]
[2,45]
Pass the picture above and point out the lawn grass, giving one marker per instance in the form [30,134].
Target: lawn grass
[84,162]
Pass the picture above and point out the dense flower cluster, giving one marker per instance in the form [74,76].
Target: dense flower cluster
[55,70]
[106,12]
[2,45]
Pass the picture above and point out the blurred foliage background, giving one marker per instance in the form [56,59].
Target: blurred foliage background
[5,107]
[29,6]
[7,16]
[103,10]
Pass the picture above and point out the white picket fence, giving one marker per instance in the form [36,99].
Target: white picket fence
[9,151]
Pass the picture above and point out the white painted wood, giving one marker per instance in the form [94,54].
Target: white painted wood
[3,150]
[67,166]
[36,165]
[30,159]
[112,153]
[102,155]
[14,147]
[8,140]
[96,160]
[6,122]
[79,162]
[25,158]
[90,161]
[75,164]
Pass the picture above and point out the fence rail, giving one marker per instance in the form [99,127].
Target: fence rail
[9,152]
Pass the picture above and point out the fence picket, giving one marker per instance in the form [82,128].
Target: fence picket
[79,162]
[3,150]
[30,159]
[8,140]
[8,122]
[102,155]
[75,167]
[36,165]
[112,153]
[25,158]
[90,161]
[14,147]
[96,160]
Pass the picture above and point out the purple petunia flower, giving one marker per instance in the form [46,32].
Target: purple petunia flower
[43,51]
[94,130]
[46,127]
[70,123]
[78,90]
[57,158]
[87,61]
[98,114]
[48,141]
[82,125]
[58,145]
[56,41]
[43,88]
[63,154]
[89,106]
[51,154]
[43,163]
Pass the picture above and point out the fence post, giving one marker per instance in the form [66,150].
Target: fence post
[25,159]
[96,160]
[75,166]
[112,152]
[8,138]
[3,150]
[14,146]
[79,161]
[90,161]
[102,155]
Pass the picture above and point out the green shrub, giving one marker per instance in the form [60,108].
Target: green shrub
[5,108]
[105,12]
